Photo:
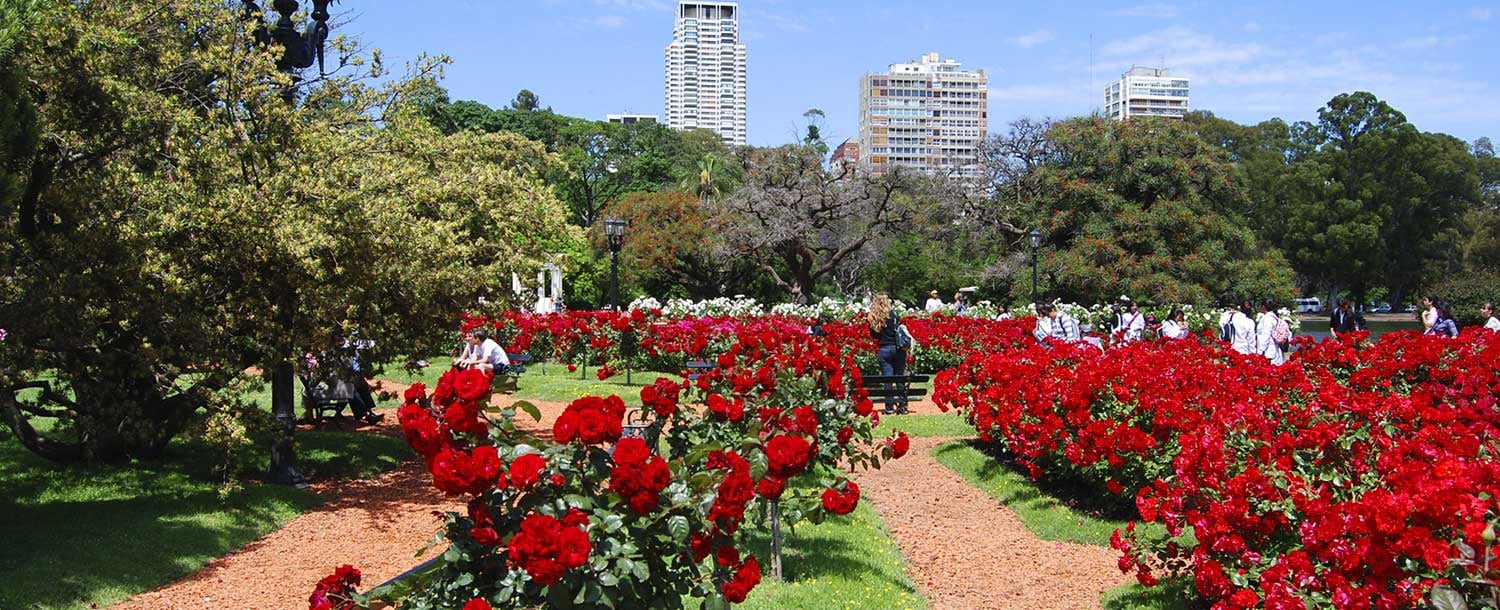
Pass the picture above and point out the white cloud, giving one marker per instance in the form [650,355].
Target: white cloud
[1034,93]
[1179,47]
[1032,39]
[635,5]
[786,24]
[1157,10]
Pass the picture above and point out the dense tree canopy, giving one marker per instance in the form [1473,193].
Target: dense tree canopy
[180,221]
[1147,210]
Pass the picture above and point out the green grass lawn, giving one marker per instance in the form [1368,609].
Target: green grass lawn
[87,536]
[943,425]
[550,382]
[843,563]
[1049,518]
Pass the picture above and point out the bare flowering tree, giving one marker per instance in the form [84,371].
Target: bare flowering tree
[803,223]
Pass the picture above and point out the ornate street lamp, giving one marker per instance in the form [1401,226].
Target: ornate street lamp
[299,51]
[1036,242]
[614,231]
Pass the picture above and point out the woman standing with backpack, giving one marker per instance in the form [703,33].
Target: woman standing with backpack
[1271,334]
[885,328]
[1238,329]
[1444,326]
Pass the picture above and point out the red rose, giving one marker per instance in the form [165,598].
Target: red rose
[415,393]
[770,488]
[478,603]
[334,590]
[727,555]
[807,420]
[638,475]
[572,368]
[485,535]
[841,503]
[472,384]
[661,397]
[421,430]
[787,455]
[700,545]
[526,469]
[743,582]
[864,407]
[726,409]
[443,393]
[546,549]
[592,420]
[845,433]
[900,445]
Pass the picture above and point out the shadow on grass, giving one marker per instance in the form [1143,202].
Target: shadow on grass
[76,536]
[1077,494]
[1164,596]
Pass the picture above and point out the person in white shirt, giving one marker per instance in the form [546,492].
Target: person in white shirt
[1241,329]
[1491,323]
[1002,312]
[1045,322]
[1429,312]
[1175,326]
[1132,323]
[1265,344]
[482,352]
[933,302]
[1066,328]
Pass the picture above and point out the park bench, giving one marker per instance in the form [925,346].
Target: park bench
[696,368]
[893,392]
[509,380]
[326,397]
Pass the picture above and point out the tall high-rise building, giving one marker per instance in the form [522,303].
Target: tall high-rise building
[927,114]
[1146,92]
[706,70]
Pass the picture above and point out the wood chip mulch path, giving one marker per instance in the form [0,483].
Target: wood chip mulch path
[963,549]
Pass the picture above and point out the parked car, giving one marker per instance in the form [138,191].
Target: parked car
[1409,309]
[1309,305]
[1383,308]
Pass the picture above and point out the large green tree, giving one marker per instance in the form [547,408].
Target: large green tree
[1144,208]
[181,221]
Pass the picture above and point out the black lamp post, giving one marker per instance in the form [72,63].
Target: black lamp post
[299,51]
[614,231]
[1036,242]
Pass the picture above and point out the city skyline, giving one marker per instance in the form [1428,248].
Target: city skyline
[1247,63]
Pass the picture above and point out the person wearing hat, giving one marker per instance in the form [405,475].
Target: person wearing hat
[933,302]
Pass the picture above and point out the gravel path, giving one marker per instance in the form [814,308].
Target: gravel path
[375,524]
[964,550]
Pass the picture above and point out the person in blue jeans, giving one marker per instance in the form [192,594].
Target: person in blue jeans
[885,328]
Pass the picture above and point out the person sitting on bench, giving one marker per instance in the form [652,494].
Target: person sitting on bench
[483,353]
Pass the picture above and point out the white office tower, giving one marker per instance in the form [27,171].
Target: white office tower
[706,70]
[928,114]
[1146,92]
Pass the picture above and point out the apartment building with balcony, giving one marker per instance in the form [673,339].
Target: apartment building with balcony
[1146,92]
[928,114]
[705,70]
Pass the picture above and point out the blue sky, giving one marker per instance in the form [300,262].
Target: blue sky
[1438,62]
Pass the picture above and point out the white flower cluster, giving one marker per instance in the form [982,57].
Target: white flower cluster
[1098,316]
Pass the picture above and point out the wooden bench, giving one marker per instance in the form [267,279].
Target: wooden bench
[894,392]
[509,380]
[696,368]
[326,397]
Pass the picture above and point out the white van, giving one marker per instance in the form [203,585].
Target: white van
[1309,305]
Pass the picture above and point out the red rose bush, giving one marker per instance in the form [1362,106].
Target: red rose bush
[1361,475]
[646,516]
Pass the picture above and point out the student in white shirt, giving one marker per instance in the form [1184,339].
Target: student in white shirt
[1175,326]
[482,352]
[933,302]
[1491,323]
[1045,316]
[1132,323]
[1265,344]
[1241,329]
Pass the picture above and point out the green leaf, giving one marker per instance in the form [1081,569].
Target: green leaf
[529,408]
[1444,598]
[715,602]
[679,527]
